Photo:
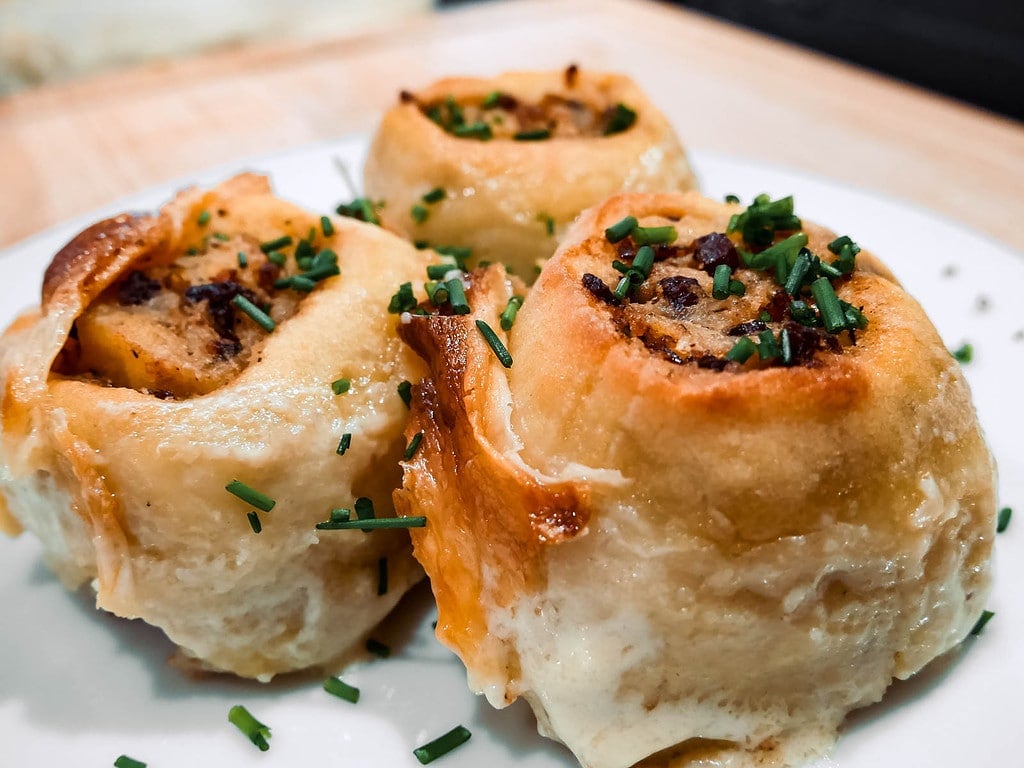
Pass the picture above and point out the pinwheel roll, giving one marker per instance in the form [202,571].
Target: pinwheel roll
[173,417]
[503,165]
[729,486]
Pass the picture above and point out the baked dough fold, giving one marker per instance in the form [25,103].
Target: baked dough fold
[675,557]
[511,200]
[117,444]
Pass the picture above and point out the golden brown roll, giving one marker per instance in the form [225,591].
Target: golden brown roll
[693,530]
[141,390]
[503,165]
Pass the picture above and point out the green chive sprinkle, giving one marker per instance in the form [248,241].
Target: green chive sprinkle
[364,508]
[377,648]
[413,446]
[419,213]
[732,198]
[457,296]
[253,729]
[372,524]
[258,316]
[720,286]
[491,100]
[221,236]
[620,230]
[250,495]
[964,353]
[494,343]
[300,283]
[382,576]
[623,287]
[654,235]
[768,349]
[243,260]
[479,130]
[442,745]
[536,134]
[508,317]
[403,301]
[361,208]
[741,351]
[1003,521]
[344,444]
[736,288]
[437,292]
[832,316]
[326,226]
[277,257]
[548,222]
[273,245]
[435,195]
[785,347]
[203,219]
[254,522]
[338,687]
[801,266]
[341,386]
[458,252]
[128,762]
[622,118]
[405,392]
[438,271]
[984,619]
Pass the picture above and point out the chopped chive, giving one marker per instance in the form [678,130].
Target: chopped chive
[277,257]
[508,317]
[785,347]
[317,274]
[1003,521]
[338,687]
[832,316]
[623,287]
[741,351]
[372,524]
[326,226]
[364,508]
[438,271]
[984,619]
[736,288]
[243,260]
[344,444]
[720,286]
[437,292]
[128,762]
[620,230]
[258,316]
[803,313]
[405,392]
[300,283]
[732,198]
[203,219]
[536,134]
[442,745]
[435,195]
[654,235]
[801,267]
[253,729]
[254,522]
[457,296]
[221,236]
[404,300]
[621,119]
[192,251]
[491,100]
[458,252]
[276,244]
[643,261]
[250,495]
[340,515]
[768,348]
[479,130]
[361,208]
[382,576]
[854,317]
[377,648]
[413,446]
[419,213]
[548,222]
[964,353]
[494,343]
[341,386]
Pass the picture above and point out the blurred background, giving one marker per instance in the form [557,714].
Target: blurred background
[969,49]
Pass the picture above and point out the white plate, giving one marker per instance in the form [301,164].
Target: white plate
[79,687]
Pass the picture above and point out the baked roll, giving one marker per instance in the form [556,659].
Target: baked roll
[503,165]
[729,485]
[145,393]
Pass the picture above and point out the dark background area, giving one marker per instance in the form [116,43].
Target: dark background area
[969,49]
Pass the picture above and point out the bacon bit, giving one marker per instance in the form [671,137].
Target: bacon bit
[714,249]
[136,289]
[219,307]
[406,97]
[747,328]
[266,275]
[711,362]
[572,73]
[804,342]
[680,291]
[777,306]
[597,288]
[161,394]
[662,251]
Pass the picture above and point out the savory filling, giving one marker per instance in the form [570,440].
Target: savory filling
[752,296]
[500,115]
[193,321]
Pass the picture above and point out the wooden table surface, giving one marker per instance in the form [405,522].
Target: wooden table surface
[66,149]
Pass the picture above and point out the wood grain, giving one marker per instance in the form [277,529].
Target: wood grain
[67,149]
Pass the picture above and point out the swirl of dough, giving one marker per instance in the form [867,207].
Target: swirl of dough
[139,390]
[581,137]
[676,555]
